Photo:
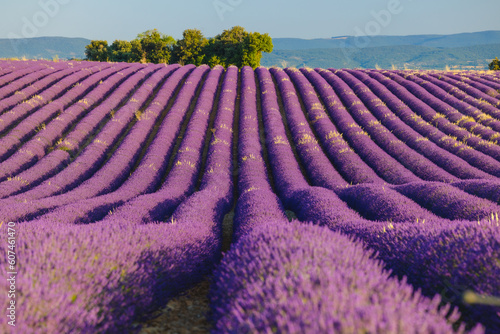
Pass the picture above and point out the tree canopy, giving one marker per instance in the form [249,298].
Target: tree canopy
[190,49]
[154,47]
[97,50]
[120,51]
[235,46]
[495,65]
[238,47]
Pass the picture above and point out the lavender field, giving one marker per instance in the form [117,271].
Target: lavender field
[316,200]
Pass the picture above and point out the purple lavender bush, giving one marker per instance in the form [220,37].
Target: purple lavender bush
[297,278]
[447,201]
[108,276]
[440,257]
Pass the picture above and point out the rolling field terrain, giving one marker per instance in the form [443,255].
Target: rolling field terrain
[317,200]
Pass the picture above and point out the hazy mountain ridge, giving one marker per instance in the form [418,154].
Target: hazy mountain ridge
[437,41]
[43,47]
[402,56]
[461,51]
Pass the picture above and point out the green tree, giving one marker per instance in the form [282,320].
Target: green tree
[137,55]
[238,47]
[228,46]
[214,61]
[155,47]
[190,49]
[214,53]
[495,64]
[97,50]
[253,46]
[120,51]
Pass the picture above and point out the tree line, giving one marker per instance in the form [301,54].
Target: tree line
[235,46]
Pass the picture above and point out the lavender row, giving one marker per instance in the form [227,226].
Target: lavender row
[475,93]
[109,176]
[16,86]
[285,168]
[318,166]
[486,80]
[488,189]
[50,133]
[372,201]
[34,98]
[382,163]
[206,208]
[16,73]
[321,205]
[6,67]
[148,175]
[355,93]
[161,259]
[296,278]
[440,257]
[5,70]
[400,120]
[48,110]
[429,135]
[252,172]
[104,277]
[308,203]
[95,154]
[75,140]
[477,85]
[255,215]
[237,297]
[21,96]
[447,201]
[12,70]
[215,195]
[459,110]
[257,202]
[379,203]
[219,169]
[90,159]
[14,65]
[434,110]
[180,181]
[413,118]
[490,76]
[346,161]
[481,112]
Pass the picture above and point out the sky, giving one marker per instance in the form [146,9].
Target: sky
[113,19]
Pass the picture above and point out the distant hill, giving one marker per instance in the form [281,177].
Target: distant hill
[403,56]
[459,51]
[43,47]
[436,41]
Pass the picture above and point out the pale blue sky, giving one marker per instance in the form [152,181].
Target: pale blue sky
[113,19]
